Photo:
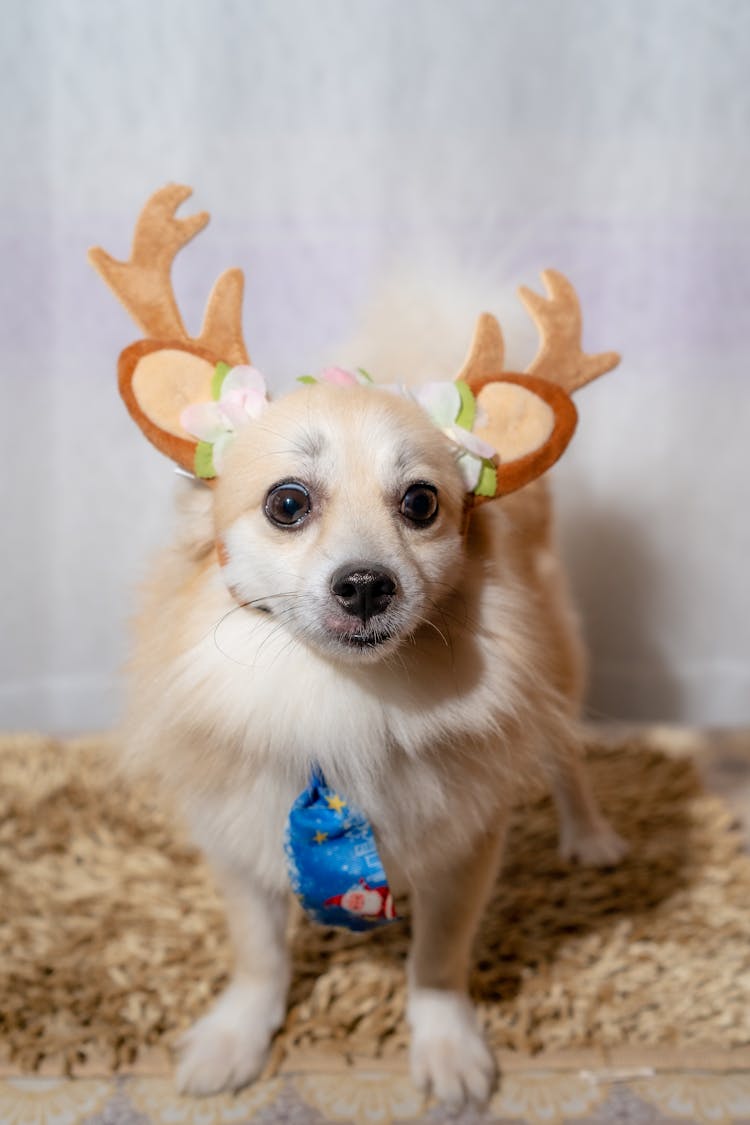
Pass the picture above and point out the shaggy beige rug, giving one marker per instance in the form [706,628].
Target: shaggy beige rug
[112,939]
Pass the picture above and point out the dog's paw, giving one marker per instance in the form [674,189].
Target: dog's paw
[449,1056]
[228,1046]
[597,846]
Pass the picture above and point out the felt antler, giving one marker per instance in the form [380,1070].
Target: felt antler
[558,318]
[166,372]
[531,417]
[144,285]
[486,353]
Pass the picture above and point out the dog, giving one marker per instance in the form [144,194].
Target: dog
[328,602]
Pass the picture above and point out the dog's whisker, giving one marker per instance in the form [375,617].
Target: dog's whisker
[249,604]
[432,625]
[448,631]
[466,623]
[454,592]
[266,639]
[283,619]
[292,643]
[397,657]
[255,624]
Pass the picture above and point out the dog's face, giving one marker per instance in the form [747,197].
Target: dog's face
[339,513]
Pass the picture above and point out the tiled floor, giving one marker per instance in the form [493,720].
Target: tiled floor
[541,1097]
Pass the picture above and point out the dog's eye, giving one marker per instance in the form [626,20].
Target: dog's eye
[419,504]
[287,504]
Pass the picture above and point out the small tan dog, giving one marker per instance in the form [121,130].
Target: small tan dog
[351,618]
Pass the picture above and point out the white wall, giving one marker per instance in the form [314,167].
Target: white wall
[478,141]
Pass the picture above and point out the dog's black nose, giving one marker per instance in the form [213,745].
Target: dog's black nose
[361,591]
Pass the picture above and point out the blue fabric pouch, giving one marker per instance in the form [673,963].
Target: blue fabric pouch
[334,865]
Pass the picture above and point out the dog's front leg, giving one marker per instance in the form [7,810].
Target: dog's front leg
[448,1051]
[585,833]
[227,1047]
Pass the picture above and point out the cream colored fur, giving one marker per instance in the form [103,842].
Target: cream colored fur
[432,734]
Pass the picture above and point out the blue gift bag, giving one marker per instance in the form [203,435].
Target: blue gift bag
[333,860]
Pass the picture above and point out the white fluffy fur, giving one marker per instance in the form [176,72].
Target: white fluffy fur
[431,733]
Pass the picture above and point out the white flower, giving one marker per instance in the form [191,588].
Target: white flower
[442,401]
[242,399]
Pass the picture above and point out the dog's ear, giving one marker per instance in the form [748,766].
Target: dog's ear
[529,418]
[529,423]
[169,370]
[157,381]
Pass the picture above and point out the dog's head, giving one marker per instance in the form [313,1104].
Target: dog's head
[339,512]
[339,508]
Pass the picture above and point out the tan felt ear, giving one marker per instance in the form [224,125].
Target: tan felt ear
[520,422]
[530,423]
[157,381]
[167,381]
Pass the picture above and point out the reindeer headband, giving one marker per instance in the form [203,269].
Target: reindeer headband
[508,428]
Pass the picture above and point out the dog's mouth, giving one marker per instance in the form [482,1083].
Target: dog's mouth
[364,640]
[360,637]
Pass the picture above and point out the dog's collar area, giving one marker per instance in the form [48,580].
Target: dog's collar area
[333,861]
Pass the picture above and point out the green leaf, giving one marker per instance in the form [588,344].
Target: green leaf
[487,480]
[204,460]
[307,379]
[365,375]
[468,410]
[220,373]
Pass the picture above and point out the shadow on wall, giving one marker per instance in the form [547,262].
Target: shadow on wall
[621,590]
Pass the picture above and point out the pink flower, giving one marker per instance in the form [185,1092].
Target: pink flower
[338,377]
[242,399]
